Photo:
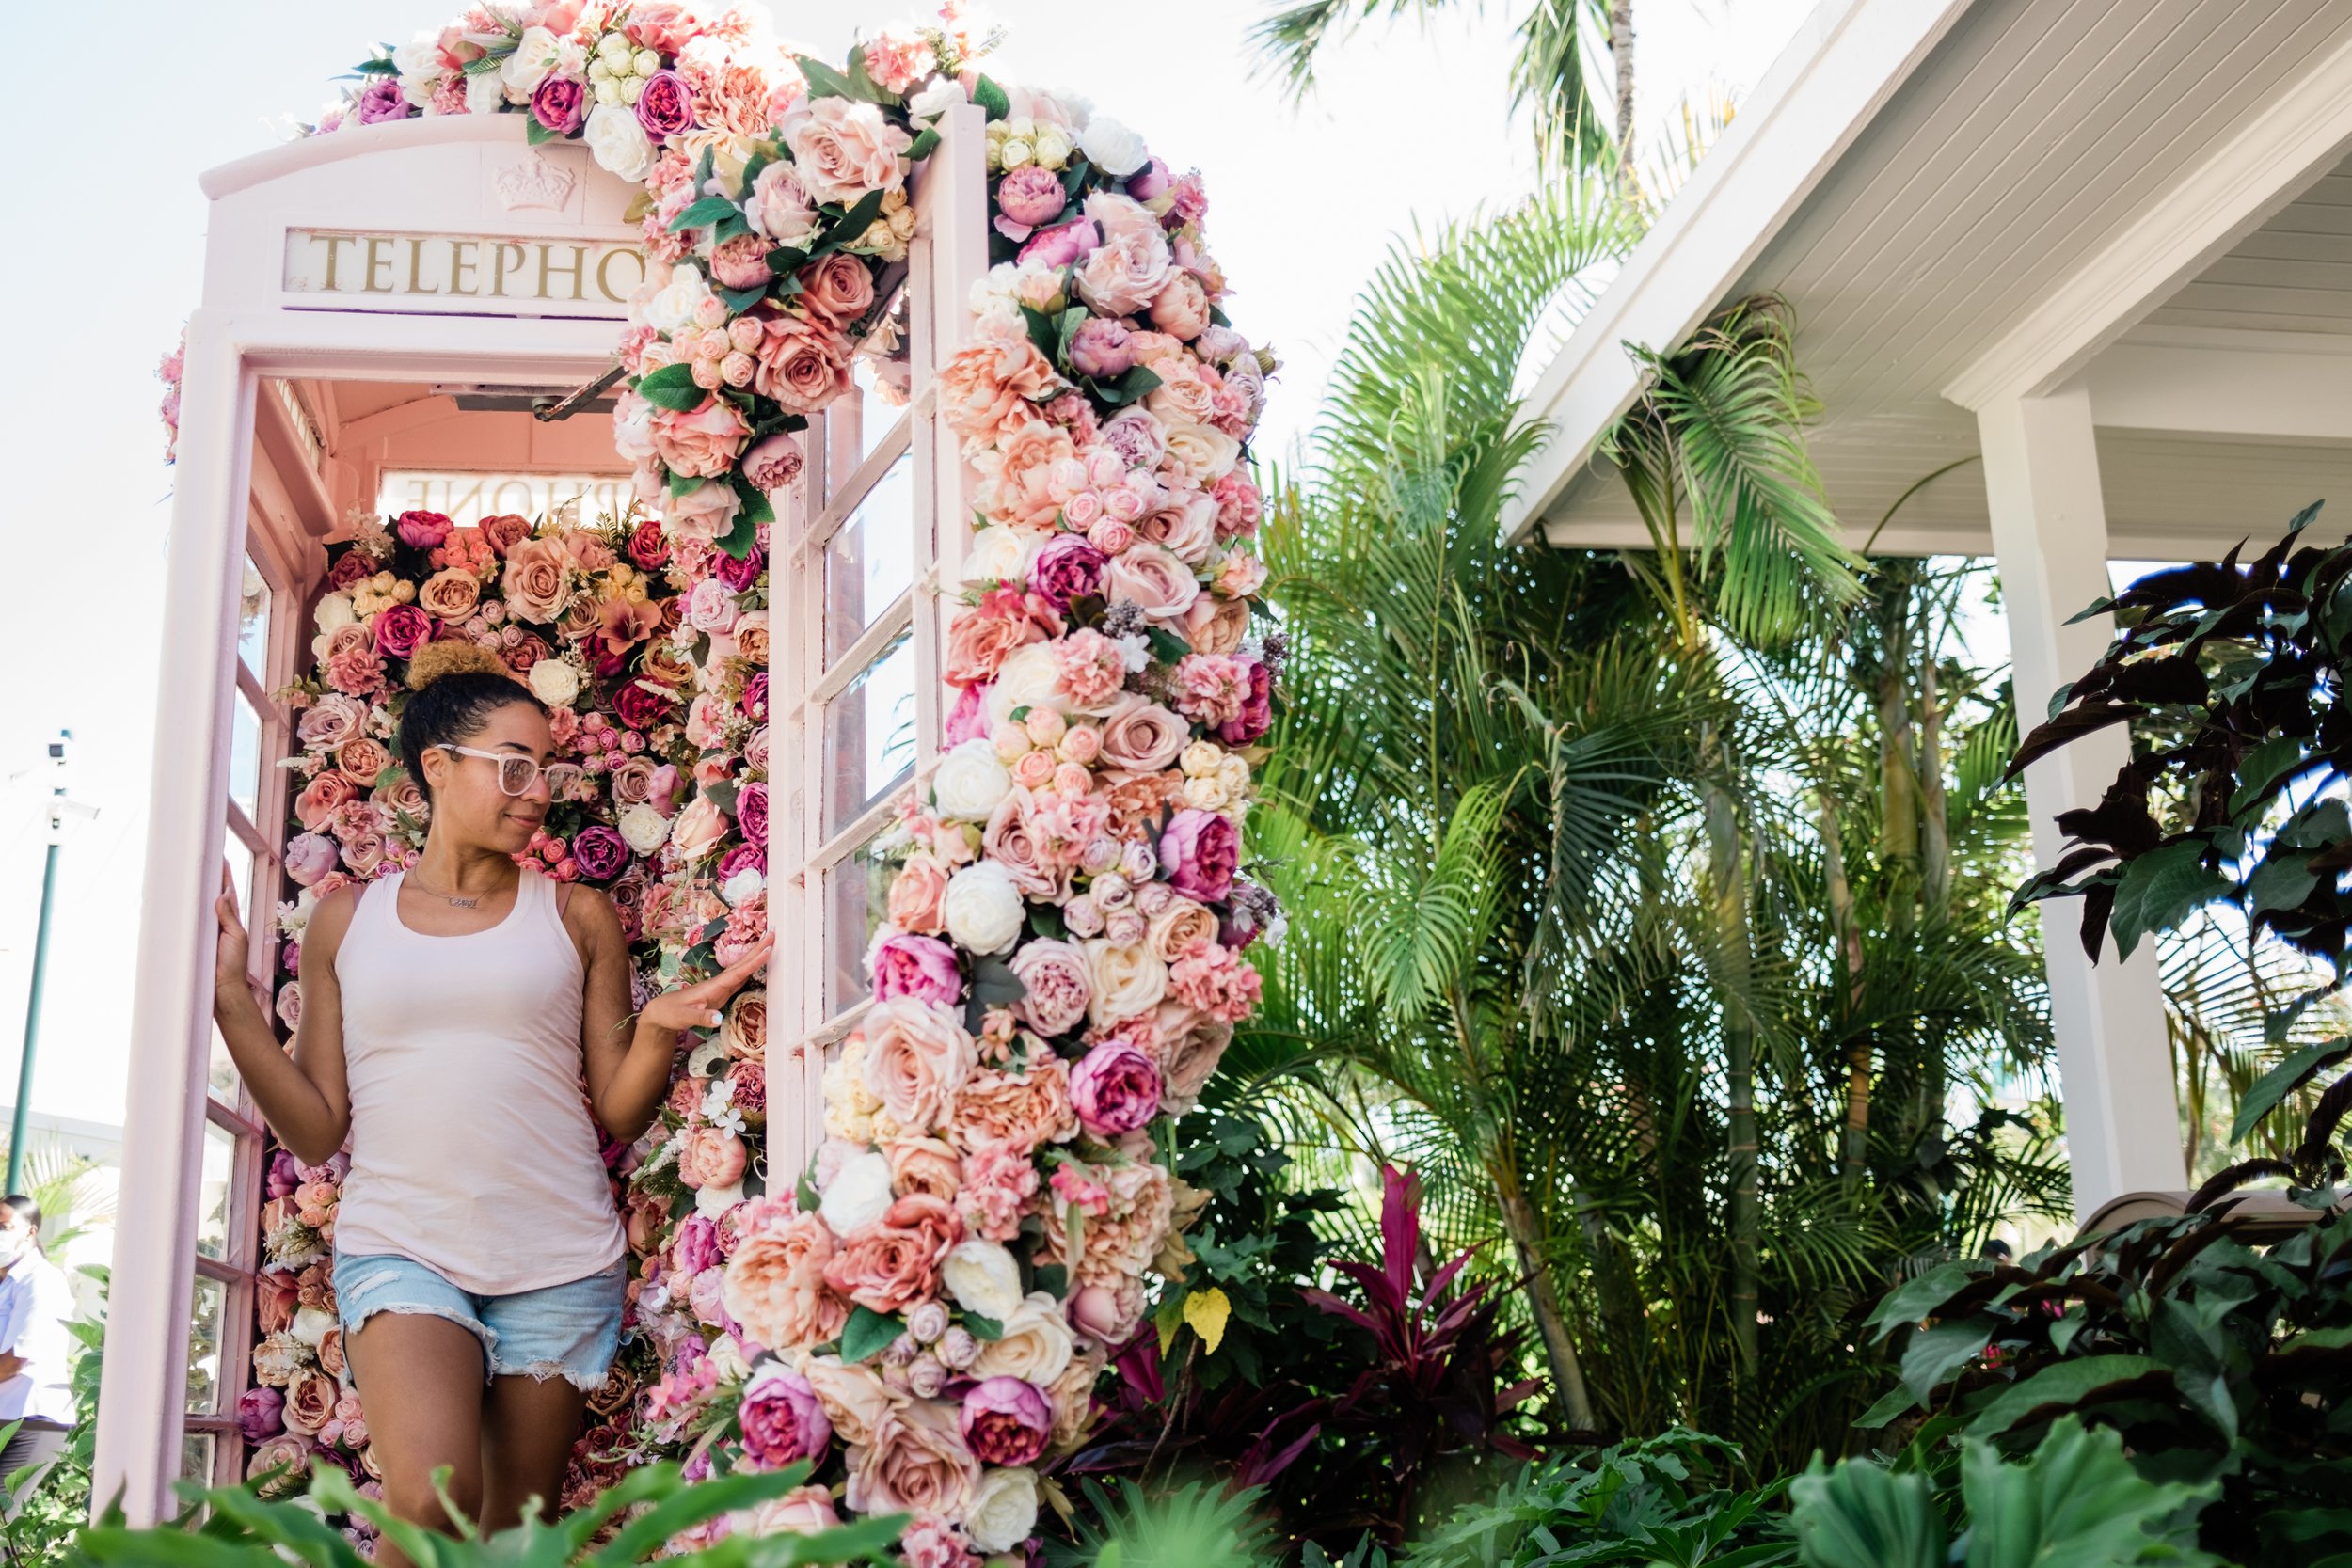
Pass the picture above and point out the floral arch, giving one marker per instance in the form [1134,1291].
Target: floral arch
[902,1209]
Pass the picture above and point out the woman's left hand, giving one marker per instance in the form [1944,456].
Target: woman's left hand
[698,1006]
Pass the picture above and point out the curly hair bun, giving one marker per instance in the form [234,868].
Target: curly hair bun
[450,655]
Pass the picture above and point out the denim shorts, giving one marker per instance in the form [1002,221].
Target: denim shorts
[572,1331]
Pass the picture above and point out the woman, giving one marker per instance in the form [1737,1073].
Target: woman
[449,1013]
[36,1352]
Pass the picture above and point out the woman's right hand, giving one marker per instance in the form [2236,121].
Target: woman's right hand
[235,950]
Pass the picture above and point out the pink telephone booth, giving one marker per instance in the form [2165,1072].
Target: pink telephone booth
[387,311]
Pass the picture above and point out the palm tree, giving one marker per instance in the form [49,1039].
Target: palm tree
[1549,73]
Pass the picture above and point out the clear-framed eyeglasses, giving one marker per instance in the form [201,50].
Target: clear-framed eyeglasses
[516,773]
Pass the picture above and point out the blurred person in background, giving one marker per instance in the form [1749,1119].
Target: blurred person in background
[36,1352]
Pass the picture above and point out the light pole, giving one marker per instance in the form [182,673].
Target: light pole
[59,807]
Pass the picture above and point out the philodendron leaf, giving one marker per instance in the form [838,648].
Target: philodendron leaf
[2280,1081]
[2066,1383]
[1917,1299]
[1861,1515]
[1934,1354]
[2159,889]
[2076,1502]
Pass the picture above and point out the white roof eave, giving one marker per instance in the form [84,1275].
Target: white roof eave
[1845,61]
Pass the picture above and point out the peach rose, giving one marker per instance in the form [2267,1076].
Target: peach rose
[1141,737]
[917,1055]
[330,721]
[855,1401]
[889,1266]
[315,806]
[916,1460]
[331,1352]
[1181,308]
[1216,625]
[746,1034]
[1190,1047]
[537,584]
[702,443]
[1016,475]
[711,1157]
[1024,1109]
[363,760]
[988,392]
[977,644]
[1180,928]
[450,594]
[276,1295]
[1160,585]
[774,1284]
[915,894]
[751,637]
[802,364]
[309,1400]
[836,289]
[698,828]
[923,1167]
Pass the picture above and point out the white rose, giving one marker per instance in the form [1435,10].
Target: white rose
[1051,147]
[535,54]
[999,554]
[418,62]
[673,305]
[1203,453]
[1128,981]
[1112,148]
[486,93]
[334,612]
[1036,1343]
[554,682]
[741,886]
[984,909]
[944,94]
[1003,1510]
[971,783]
[646,829]
[615,51]
[710,1202]
[982,1277]
[859,1197]
[726,1360]
[311,1326]
[705,1061]
[619,143]
[1030,679]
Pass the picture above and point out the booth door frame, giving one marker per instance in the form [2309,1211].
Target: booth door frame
[229,355]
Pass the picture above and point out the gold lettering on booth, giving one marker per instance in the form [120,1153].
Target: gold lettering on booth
[469,274]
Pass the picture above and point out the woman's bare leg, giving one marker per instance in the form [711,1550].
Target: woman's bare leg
[420,1380]
[527,1434]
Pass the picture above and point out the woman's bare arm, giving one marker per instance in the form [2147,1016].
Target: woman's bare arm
[305,1097]
[629,1057]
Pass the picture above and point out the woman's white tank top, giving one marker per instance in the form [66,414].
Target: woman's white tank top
[472,1150]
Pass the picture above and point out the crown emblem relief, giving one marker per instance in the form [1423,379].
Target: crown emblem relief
[534,184]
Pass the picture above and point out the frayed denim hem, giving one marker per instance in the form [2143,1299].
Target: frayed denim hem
[357,1316]
[541,1371]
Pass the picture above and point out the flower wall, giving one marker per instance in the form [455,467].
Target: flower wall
[925,1313]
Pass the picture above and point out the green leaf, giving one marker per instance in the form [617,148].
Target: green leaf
[865,1333]
[2076,1502]
[1860,1515]
[1897,1401]
[710,209]
[684,484]
[2262,769]
[992,99]
[2282,882]
[987,1329]
[2284,1080]
[1136,385]
[823,81]
[672,386]
[1915,1300]
[741,300]
[1937,1352]
[2065,1383]
[2159,889]
[535,134]
[926,142]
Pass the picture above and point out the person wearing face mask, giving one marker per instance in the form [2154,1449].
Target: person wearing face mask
[36,1352]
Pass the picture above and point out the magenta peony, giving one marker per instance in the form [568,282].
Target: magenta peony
[782,1418]
[919,967]
[1114,1088]
[1200,851]
[1006,1420]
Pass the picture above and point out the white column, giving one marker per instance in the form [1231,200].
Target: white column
[2050,536]
[142,1397]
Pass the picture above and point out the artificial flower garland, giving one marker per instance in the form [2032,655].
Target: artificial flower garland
[924,1314]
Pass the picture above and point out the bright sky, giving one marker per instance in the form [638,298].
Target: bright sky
[1409,126]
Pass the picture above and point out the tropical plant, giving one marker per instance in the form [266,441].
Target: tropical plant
[2073,1501]
[1660,1500]
[1550,73]
[1198,1524]
[40,1524]
[233,1526]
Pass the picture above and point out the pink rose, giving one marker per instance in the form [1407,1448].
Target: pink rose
[1031,196]
[842,149]
[783,1419]
[803,1510]
[894,1263]
[1099,348]
[775,1283]
[704,514]
[836,289]
[1006,1422]
[1064,244]
[917,1055]
[1125,273]
[401,630]
[308,857]
[1057,986]
[918,1461]
[1154,580]
[315,806]
[330,721]
[423,530]
[711,1157]
[915,894]
[1141,737]
[741,263]
[920,967]
[773,462]
[1200,852]
[537,580]
[1114,1088]
[701,444]
[804,364]
[778,206]
[698,828]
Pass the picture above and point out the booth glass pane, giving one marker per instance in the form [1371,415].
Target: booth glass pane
[869,733]
[244,757]
[253,622]
[215,1185]
[220,1072]
[871,561]
[205,1324]
[195,1457]
[857,897]
[241,870]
